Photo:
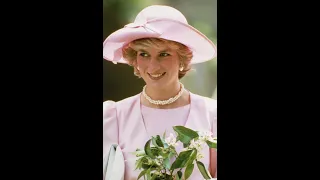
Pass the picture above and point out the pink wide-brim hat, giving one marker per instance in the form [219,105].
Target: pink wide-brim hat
[159,21]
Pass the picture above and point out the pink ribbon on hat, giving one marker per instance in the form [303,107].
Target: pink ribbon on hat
[143,24]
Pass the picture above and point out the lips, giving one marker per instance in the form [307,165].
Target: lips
[156,76]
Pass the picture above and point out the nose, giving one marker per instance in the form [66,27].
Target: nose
[154,65]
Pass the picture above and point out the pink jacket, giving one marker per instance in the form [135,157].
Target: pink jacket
[123,125]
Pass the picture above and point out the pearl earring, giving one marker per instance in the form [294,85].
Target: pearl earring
[138,68]
[181,68]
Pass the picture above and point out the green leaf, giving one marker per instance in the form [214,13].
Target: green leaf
[145,166]
[159,141]
[142,173]
[168,155]
[154,176]
[169,177]
[144,162]
[147,163]
[185,135]
[165,145]
[163,153]
[166,163]
[203,170]
[139,153]
[148,173]
[188,171]
[164,135]
[181,160]
[138,163]
[147,149]
[171,154]
[212,144]
[186,144]
[152,167]
[155,151]
[193,156]
[179,174]
[186,131]
[154,141]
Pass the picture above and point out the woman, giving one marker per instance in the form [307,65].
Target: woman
[161,46]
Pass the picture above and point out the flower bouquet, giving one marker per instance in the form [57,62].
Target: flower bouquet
[154,161]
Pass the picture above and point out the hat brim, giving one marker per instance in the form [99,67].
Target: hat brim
[202,47]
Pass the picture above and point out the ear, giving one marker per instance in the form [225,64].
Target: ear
[181,66]
[135,65]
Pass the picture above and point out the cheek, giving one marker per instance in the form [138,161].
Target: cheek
[171,64]
[141,63]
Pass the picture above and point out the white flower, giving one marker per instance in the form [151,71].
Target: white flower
[206,136]
[160,157]
[158,162]
[171,140]
[196,144]
[199,156]
[184,149]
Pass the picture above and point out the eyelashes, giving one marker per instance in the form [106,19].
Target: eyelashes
[164,54]
[143,54]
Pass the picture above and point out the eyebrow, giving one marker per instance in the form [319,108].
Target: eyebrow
[165,50]
[142,50]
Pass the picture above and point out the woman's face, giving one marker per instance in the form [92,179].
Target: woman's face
[159,67]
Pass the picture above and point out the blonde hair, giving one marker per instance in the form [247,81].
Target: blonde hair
[184,53]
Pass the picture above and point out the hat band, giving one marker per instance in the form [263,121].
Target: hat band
[145,25]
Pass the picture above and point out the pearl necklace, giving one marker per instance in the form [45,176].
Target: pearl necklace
[163,102]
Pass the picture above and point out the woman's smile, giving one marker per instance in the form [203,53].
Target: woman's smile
[156,76]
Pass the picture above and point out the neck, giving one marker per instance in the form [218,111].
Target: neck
[163,93]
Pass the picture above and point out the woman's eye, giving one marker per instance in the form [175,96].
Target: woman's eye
[164,54]
[143,54]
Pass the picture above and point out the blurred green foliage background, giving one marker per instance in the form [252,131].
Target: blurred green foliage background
[119,81]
